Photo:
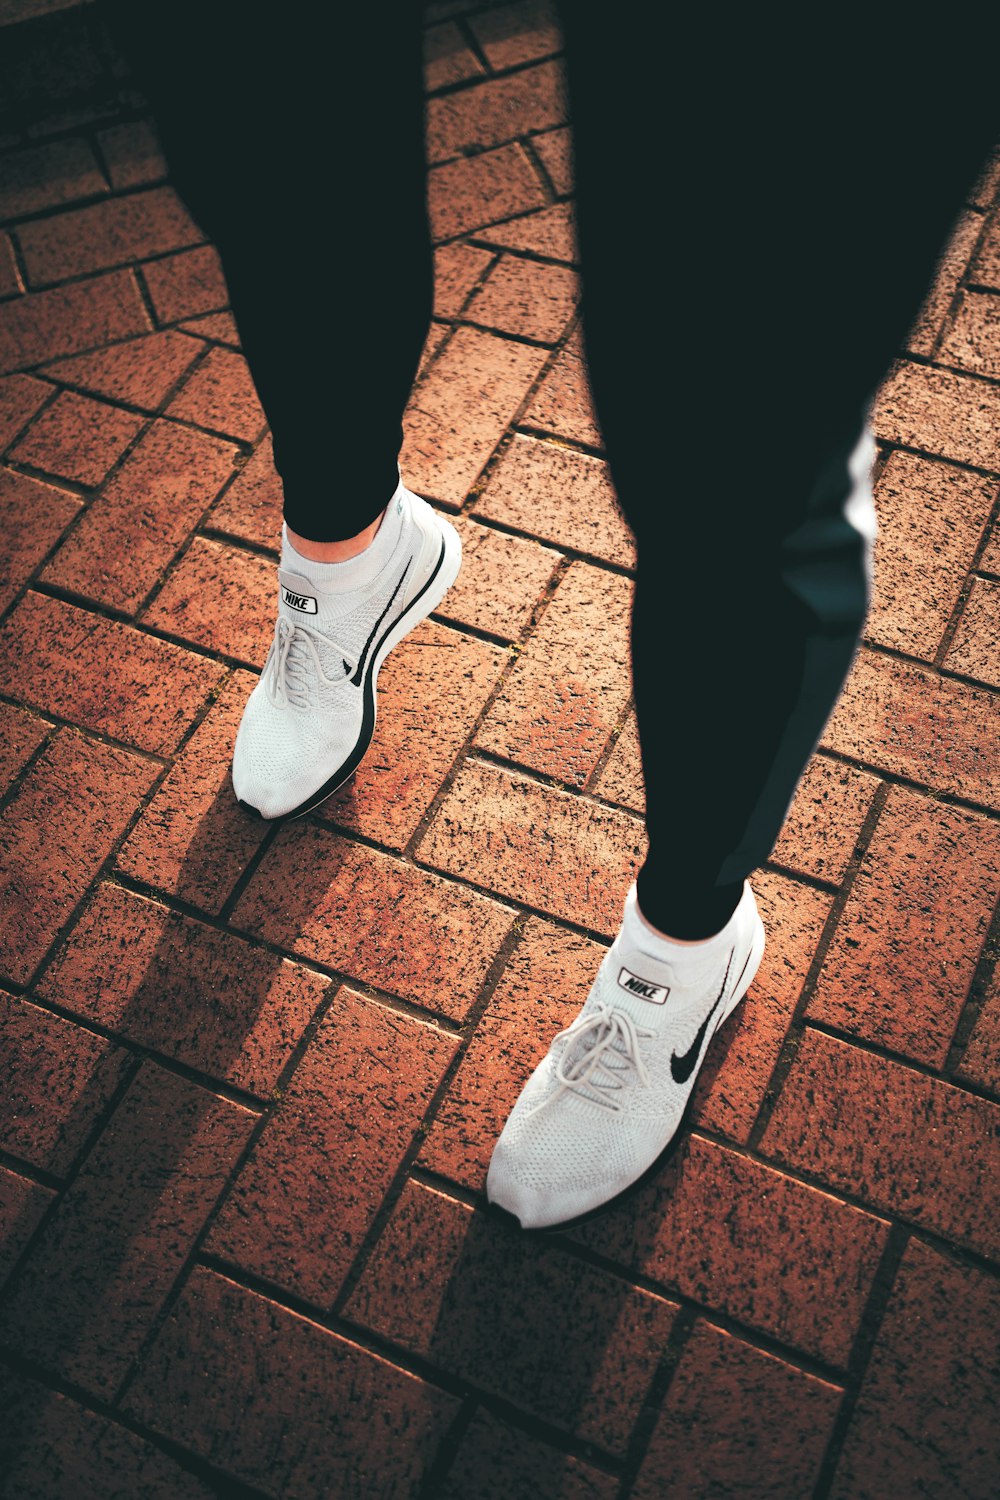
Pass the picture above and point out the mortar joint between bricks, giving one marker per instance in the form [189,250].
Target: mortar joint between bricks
[963,281]
[491,74]
[265,1115]
[36,755]
[955,617]
[979,989]
[747,1332]
[332,1322]
[960,1254]
[649,1412]
[409,1160]
[789,1049]
[861,1351]
[222,1484]
[177,560]
[141,1053]
[447,1450]
[52,1208]
[411,850]
[104,871]
[600,764]
[22,1167]
[58,722]
[894,778]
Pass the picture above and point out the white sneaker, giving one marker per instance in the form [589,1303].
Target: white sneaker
[608,1097]
[310,719]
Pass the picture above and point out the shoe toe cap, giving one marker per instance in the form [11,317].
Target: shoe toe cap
[533,1208]
[537,1205]
[280,761]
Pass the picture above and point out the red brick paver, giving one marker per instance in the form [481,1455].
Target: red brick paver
[253,1075]
[479,1294]
[737,1421]
[217,1381]
[931,1384]
[123,1229]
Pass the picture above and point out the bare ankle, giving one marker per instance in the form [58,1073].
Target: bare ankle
[329,552]
[681,942]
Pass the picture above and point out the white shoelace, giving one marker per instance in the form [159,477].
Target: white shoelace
[614,1031]
[286,671]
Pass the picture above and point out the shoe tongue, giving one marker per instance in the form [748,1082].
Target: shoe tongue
[647,988]
[302,602]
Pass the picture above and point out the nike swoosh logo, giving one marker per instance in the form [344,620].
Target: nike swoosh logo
[359,673]
[681,1068]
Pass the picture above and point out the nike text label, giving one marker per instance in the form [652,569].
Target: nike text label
[655,993]
[303,602]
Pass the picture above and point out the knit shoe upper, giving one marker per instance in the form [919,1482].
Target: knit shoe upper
[609,1095]
[311,716]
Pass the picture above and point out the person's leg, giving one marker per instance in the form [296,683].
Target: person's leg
[306,168]
[758,220]
[803,202]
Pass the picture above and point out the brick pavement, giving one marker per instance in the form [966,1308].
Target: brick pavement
[245,1123]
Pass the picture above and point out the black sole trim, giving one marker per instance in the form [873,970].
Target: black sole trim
[345,771]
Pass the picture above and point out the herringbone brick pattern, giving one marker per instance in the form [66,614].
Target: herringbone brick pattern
[252,1075]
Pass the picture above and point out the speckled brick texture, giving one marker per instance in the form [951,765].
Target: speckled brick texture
[898,716]
[737,1422]
[77,439]
[97,789]
[570,685]
[132,529]
[561,495]
[913,928]
[253,1074]
[34,516]
[461,409]
[473,191]
[51,1445]
[923,1159]
[251,1386]
[21,733]
[66,319]
[186,284]
[362,911]
[23,1203]
[550,232]
[140,372]
[58,1079]
[752,1242]
[110,1254]
[315,1180]
[470,1295]
[108,234]
[193,840]
[925,1405]
[496,1462]
[931,517]
[431,693]
[103,674]
[205,998]
[525,298]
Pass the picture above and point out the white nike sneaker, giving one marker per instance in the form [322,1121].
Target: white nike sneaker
[310,718]
[606,1100]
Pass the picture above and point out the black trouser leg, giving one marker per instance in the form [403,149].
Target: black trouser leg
[759,213]
[306,168]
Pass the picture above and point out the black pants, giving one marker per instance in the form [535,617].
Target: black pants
[759,208]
